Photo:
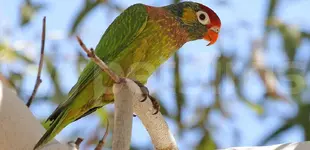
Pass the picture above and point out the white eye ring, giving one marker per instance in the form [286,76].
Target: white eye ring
[203,17]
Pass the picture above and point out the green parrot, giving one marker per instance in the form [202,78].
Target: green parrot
[138,41]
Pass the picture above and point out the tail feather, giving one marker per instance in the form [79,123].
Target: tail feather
[56,123]
[56,126]
[59,119]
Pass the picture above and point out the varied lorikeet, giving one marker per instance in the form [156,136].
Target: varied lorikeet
[137,42]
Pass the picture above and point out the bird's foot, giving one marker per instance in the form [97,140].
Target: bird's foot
[146,94]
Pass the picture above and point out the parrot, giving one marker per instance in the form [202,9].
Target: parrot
[134,45]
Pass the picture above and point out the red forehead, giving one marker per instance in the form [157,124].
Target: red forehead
[215,20]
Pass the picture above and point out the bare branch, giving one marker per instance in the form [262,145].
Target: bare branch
[78,142]
[39,80]
[101,142]
[123,96]
[104,67]
[156,125]
[269,79]
[127,94]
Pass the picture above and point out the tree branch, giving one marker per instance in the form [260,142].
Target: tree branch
[19,128]
[155,125]
[101,142]
[127,93]
[122,116]
[39,80]
[91,54]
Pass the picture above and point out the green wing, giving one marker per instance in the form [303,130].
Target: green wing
[121,33]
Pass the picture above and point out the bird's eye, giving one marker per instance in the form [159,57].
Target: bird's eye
[203,17]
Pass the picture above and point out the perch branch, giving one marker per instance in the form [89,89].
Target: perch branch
[101,142]
[122,116]
[91,54]
[123,103]
[155,125]
[39,80]
[127,93]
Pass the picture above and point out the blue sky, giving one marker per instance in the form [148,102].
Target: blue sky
[197,60]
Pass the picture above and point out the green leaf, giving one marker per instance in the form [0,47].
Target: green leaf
[88,7]
[297,82]
[15,80]
[304,110]
[305,35]
[277,132]
[178,89]
[27,11]
[24,58]
[7,53]
[270,14]
[206,143]
[291,40]
[59,96]
[104,116]
[237,81]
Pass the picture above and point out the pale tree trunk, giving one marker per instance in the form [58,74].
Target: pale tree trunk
[19,129]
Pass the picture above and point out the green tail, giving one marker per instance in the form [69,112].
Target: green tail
[53,128]
[56,122]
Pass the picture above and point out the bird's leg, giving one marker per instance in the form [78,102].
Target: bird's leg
[146,94]
[144,89]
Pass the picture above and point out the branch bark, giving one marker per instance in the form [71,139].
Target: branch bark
[127,94]
[102,141]
[156,126]
[39,80]
[122,116]
[19,129]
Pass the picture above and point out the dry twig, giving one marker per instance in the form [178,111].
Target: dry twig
[39,80]
[91,54]
[269,79]
[101,142]
[78,142]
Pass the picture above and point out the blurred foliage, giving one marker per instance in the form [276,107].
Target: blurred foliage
[89,5]
[291,39]
[27,10]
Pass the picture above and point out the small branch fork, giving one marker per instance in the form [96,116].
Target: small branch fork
[39,80]
[104,67]
[158,129]
[101,142]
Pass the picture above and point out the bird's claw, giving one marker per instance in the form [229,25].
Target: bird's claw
[146,94]
[155,104]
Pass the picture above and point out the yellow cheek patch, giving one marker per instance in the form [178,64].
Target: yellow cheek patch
[189,16]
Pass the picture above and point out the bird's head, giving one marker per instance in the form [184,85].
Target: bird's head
[200,21]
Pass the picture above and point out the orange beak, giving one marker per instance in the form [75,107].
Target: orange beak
[211,36]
